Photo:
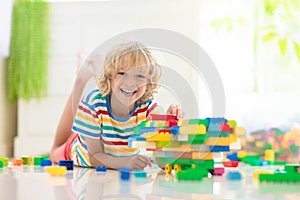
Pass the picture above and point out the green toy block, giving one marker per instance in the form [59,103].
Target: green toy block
[231,123]
[4,161]
[279,177]
[37,160]
[167,144]
[192,174]
[1,164]
[292,168]
[199,121]
[195,139]
[187,163]
[26,160]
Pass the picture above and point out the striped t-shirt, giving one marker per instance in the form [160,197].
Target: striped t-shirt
[94,119]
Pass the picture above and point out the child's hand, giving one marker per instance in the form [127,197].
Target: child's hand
[175,110]
[139,162]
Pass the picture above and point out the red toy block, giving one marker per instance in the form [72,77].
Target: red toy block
[230,163]
[225,127]
[219,171]
[162,117]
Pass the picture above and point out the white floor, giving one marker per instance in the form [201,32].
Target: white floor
[30,182]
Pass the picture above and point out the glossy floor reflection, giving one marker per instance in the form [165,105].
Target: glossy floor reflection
[30,182]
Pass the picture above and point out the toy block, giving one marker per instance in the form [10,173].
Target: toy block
[238,131]
[198,121]
[233,138]
[181,148]
[139,174]
[230,163]
[219,148]
[141,130]
[214,127]
[142,144]
[269,155]
[4,161]
[192,174]
[164,137]
[175,130]
[26,160]
[180,137]
[154,149]
[202,155]
[233,156]
[234,175]
[241,154]
[235,145]
[224,127]
[17,162]
[167,144]
[219,141]
[279,177]
[37,160]
[218,171]
[56,170]
[69,164]
[171,123]
[101,168]
[200,148]
[193,129]
[217,134]
[1,164]
[124,173]
[292,168]
[216,120]
[257,172]
[46,163]
[231,123]
[161,117]
[195,139]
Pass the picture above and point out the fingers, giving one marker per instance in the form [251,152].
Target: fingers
[139,162]
[175,110]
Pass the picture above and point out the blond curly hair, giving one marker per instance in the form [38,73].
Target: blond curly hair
[138,55]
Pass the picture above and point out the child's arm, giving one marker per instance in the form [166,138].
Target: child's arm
[98,157]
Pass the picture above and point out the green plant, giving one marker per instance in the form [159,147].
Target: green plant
[28,60]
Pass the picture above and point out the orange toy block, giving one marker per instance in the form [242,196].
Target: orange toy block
[217,141]
[17,161]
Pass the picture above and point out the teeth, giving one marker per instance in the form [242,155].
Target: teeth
[127,91]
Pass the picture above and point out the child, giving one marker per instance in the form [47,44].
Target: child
[107,115]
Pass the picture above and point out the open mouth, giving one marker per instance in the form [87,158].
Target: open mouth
[128,92]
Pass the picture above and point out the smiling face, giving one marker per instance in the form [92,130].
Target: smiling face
[130,81]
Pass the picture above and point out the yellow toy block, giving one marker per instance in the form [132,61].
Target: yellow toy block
[56,170]
[269,155]
[218,141]
[241,154]
[159,137]
[203,155]
[193,129]
[257,172]
[233,138]
[239,130]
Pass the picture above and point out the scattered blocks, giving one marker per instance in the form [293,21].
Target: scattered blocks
[218,171]
[56,170]
[230,163]
[68,163]
[4,161]
[26,160]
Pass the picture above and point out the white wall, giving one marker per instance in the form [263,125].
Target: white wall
[8,114]
[82,26]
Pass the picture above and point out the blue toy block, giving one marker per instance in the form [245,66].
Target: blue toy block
[219,148]
[46,163]
[101,168]
[235,175]
[139,174]
[124,173]
[69,164]
[175,130]
[233,156]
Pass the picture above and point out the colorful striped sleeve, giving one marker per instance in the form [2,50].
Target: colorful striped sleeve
[86,122]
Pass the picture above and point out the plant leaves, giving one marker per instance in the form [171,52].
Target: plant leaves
[297,50]
[282,43]
[269,36]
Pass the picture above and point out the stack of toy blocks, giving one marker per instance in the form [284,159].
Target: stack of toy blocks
[186,146]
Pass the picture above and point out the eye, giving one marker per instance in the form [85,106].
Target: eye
[140,76]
